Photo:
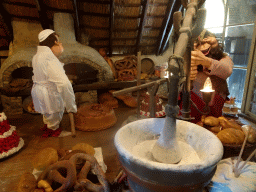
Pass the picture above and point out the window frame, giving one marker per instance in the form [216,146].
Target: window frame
[250,81]
[251,69]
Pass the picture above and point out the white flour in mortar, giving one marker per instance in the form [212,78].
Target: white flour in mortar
[189,155]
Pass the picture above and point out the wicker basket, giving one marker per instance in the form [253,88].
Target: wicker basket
[234,150]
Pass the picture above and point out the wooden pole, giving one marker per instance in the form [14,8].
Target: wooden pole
[72,123]
[138,82]
[140,87]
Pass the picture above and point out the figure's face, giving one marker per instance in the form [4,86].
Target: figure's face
[206,45]
[57,49]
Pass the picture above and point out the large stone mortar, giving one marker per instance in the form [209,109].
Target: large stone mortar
[148,176]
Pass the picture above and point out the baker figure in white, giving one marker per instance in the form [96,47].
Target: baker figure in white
[52,91]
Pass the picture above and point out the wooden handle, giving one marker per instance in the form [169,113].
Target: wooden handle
[72,123]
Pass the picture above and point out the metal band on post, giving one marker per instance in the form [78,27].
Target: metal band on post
[171,110]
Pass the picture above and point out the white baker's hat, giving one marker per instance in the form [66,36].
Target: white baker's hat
[44,34]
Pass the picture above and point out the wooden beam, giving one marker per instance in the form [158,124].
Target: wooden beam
[29,18]
[145,5]
[169,13]
[81,12]
[7,25]
[125,30]
[128,4]
[168,32]
[127,17]
[19,4]
[95,1]
[76,21]
[156,16]
[93,27]
[54,9]
[111,26]
[151,28]
[42,14]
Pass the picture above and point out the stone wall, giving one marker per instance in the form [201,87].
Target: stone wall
[12,105]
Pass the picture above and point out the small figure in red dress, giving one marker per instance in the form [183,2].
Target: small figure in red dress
[209,60]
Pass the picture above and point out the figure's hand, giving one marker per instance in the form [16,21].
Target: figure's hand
[193,71]
[198,58]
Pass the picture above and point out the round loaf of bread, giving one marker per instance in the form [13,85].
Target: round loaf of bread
[231,136]
[44,158]
[88,149]
[27,183]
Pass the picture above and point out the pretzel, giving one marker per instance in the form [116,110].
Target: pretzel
[93,165]
[120,64]
[126,63]
[132,60]
[52,174]
[126,74]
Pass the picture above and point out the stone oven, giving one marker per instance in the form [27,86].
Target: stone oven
[83,63]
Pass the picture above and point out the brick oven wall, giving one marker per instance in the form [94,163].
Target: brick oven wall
[23,49]
[22,52]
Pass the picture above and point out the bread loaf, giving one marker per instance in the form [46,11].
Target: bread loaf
[252,133]
[210,121]
[27,183]
[109,100]
[88,149]
[200,123]
[216,129]
[231,136]
[44,158]
[225,123]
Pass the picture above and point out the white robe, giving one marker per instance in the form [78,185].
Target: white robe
[52,91]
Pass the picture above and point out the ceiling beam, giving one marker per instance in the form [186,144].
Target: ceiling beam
[19,4]
[111,26]
[95,1]
[169,13]
[81,12]
[41,8]
[177,6]
[145,5]
[76,21]
[7,24]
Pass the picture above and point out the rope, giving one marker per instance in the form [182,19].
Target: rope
[186,30]
[194,4]
[180,61]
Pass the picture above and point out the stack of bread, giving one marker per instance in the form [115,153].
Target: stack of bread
[65,170]
[228,131]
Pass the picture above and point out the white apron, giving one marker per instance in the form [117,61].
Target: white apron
[52,91]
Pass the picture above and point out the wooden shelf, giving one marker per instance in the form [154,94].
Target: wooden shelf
[85,87]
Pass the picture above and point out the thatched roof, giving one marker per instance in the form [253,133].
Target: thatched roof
[120,26]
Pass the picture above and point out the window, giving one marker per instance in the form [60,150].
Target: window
[232,21]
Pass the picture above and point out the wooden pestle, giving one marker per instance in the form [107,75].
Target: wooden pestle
[166,149]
